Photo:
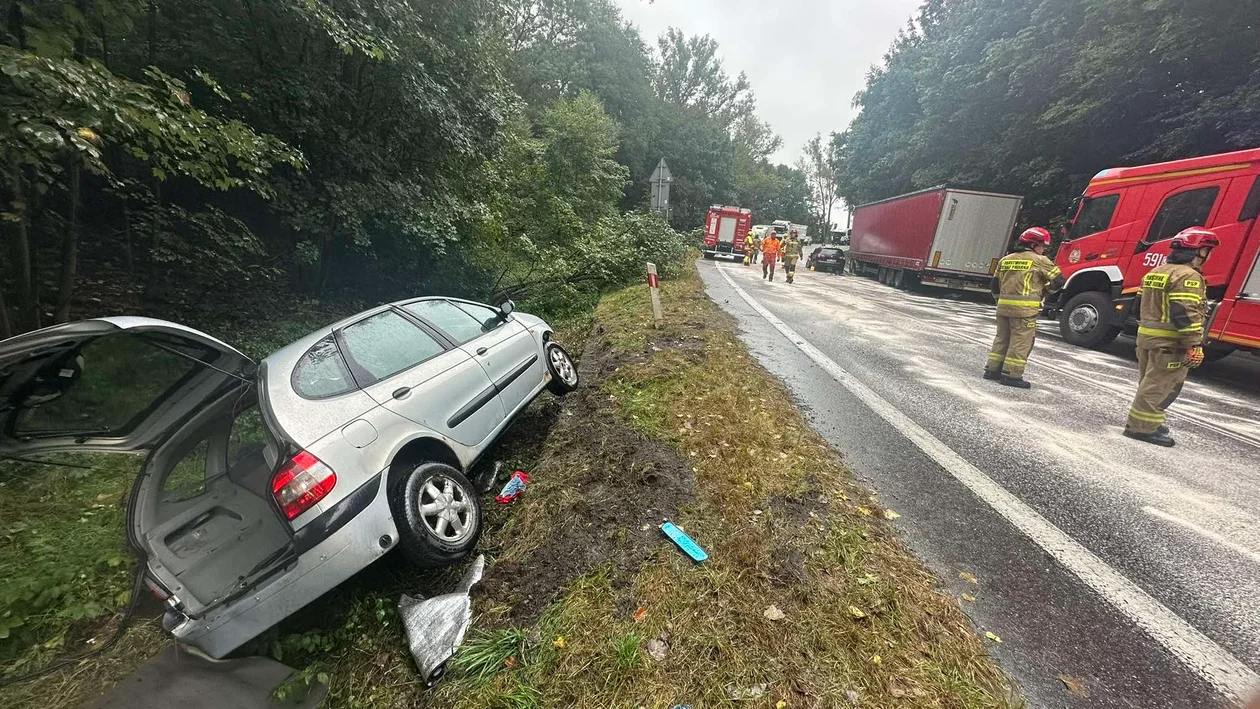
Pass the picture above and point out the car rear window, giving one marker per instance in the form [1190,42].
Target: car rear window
[828,252]
[322,372]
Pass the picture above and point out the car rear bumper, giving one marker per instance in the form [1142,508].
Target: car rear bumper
[318,569]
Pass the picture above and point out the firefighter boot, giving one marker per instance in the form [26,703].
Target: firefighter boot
[1017,382]
[992,376]
[1158,438]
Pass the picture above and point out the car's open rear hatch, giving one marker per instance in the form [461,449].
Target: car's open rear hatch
[201,510]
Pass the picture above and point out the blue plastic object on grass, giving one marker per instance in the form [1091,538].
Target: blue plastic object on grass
[684,542]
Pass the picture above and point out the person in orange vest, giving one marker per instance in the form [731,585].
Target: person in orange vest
[770,253]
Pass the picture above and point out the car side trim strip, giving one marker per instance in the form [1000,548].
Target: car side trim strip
[485,397]
[506,380]
[327,524]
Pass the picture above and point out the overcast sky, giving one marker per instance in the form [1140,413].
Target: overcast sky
[818,53]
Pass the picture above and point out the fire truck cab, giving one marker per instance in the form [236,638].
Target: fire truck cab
[1120,229]
[724,231]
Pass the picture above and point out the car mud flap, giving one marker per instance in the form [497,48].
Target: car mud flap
[435,627]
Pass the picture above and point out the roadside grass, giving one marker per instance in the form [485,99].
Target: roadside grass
[582,589]
[785,526]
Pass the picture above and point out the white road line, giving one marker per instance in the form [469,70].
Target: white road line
[1194,649]
[1206,533]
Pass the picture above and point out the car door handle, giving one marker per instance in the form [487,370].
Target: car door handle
[402,393]
[482,350]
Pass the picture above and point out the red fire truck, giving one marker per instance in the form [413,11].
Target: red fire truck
[1120,228]
[724,231]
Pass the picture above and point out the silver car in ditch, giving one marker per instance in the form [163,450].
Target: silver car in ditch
[266,484]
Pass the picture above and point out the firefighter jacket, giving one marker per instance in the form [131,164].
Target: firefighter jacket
[750,244]
[1023,279]
[1172,306]
[792,248]
[770,245]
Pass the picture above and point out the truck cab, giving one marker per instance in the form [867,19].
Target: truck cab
[1120,229]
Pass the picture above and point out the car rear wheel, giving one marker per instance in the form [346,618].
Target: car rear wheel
[437,513]
[564,374]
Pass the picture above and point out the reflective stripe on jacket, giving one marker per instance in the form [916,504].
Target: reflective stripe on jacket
[1023,278]
[1172,306]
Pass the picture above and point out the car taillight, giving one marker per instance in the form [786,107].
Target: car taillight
[300,483]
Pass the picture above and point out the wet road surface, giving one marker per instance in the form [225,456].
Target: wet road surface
[1131,568]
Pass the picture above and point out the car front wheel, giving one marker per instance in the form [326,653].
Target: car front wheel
[564,374]
[438,514]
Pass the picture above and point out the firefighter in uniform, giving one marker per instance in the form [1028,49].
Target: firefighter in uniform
[769,254]
[1023,278]
[791,254]
[750,248]
[1172,307]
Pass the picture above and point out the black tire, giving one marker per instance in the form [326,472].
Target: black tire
[709,255]
[1086,320]
[881,275]
[898,279]
[417,537]
[561,382]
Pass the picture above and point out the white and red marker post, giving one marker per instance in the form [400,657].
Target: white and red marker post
[654,284]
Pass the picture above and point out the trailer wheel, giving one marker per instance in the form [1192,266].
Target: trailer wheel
[1086,320]
[881,275]
[898,279]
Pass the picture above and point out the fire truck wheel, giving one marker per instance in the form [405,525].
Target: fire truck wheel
[1086,320]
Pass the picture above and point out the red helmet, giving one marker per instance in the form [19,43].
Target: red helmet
[1035,235]
[792,231]
[1195,238]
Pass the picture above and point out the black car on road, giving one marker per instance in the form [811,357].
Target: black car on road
[826,258]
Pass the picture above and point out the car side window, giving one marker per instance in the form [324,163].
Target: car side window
[490,318]
[447,317]
[384,345]
[1095,216]
[322,372]
[187,479]
[1181,211]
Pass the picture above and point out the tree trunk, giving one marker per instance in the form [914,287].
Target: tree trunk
[27,301]
[325,258]
[70,249]
[152,39]
[127,253]
[81,40]
[17,24]
[6,327]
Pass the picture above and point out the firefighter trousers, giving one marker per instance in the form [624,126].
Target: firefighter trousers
[1011,347]
[1161,375]
[789,267]
[767,265]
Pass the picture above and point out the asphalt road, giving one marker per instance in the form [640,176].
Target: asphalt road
[1130,568]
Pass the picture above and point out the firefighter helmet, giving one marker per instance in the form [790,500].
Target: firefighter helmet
[1195,238]
[792,232]
[1035,236]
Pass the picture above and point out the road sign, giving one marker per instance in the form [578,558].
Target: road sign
[661,179]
